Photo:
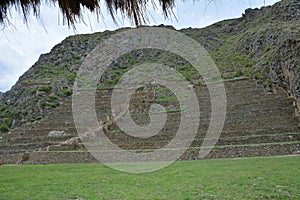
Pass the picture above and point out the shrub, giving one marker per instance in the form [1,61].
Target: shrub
[53,97]
[7,122]
[258,75]
[66,92]
[43,103]
[4,128]
[53,105]
[72,77]
[3,107]
[76,57]
[45,88]
[239,72]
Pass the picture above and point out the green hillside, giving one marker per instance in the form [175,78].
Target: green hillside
[263,44]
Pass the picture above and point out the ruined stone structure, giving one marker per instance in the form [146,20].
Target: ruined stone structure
[257,124]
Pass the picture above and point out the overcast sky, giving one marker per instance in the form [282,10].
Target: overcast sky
[21,44]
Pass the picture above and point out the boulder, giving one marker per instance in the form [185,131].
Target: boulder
[55,134]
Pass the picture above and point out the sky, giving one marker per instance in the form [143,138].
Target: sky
[21,44]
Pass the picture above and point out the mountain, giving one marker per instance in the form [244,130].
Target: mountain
[263,44]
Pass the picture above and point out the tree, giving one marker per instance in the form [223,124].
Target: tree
[72,9]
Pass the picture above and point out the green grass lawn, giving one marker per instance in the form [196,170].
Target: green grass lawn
[247,178]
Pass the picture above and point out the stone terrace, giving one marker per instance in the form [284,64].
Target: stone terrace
[257,124]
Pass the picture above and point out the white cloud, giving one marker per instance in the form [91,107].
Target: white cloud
[10,64]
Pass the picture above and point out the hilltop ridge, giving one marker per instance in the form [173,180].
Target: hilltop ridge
[263,44]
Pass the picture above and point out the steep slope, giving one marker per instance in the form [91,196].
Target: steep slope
[263,44]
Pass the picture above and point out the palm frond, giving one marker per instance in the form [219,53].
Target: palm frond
[72,9]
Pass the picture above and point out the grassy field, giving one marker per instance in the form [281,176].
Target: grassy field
[246,178]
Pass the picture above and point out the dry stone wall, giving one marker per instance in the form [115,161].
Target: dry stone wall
[257,124]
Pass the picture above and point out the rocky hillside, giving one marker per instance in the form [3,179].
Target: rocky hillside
[263,44]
